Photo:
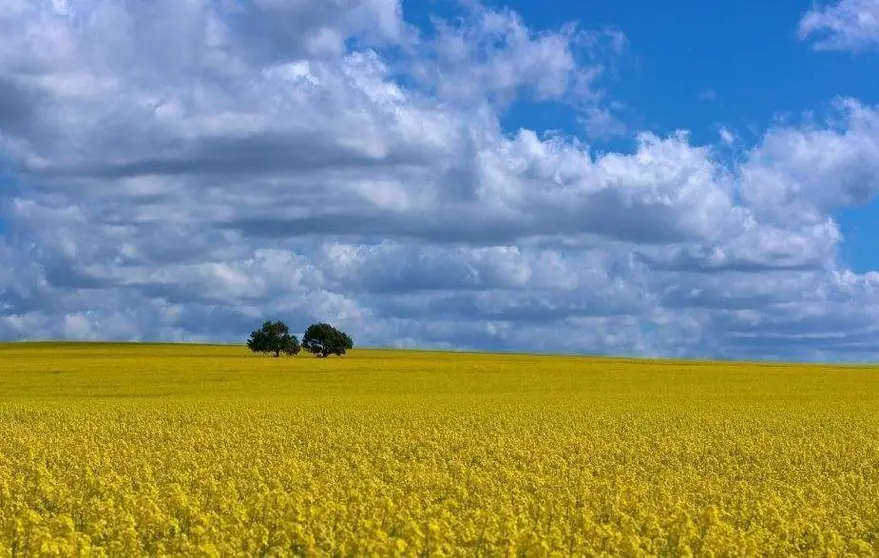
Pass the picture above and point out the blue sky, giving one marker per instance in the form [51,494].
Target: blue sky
[676,179]
[861,229]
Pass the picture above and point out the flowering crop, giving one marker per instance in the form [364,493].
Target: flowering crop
[197,450]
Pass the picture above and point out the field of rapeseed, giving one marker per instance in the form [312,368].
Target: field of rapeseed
[196,450]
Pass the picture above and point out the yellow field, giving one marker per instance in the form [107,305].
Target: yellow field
[151,449]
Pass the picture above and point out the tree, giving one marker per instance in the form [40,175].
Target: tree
[273,337]
[324,340]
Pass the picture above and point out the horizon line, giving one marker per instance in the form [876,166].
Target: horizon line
[593,356]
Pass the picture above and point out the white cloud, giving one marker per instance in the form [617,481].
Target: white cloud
[187,170]
[494,56]
[600,122]
[844,25]
[726,136]
[808,173]
[708,95]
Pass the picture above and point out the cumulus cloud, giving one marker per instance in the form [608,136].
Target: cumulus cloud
[807,173]
[185,170]
[845,25]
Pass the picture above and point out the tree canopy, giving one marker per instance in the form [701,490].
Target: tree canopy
[273,337]
[323,340]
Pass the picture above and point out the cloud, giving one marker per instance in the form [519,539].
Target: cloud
[214,164]
[810,172]
[726,136]
[708,95]
[846,25]
[600,123]
[492,55]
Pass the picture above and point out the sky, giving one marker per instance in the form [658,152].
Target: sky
[678,179]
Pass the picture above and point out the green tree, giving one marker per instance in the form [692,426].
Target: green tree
[324,340]
[273,337]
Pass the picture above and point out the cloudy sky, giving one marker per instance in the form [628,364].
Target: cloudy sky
[680,178]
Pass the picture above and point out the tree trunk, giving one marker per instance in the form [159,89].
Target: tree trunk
[277,354]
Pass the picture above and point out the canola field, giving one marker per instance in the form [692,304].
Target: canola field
[126,450]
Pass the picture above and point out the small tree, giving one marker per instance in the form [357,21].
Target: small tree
[273,337]
[324,340]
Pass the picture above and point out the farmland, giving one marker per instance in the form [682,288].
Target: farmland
[152,449]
